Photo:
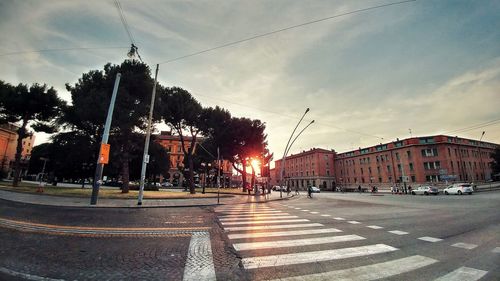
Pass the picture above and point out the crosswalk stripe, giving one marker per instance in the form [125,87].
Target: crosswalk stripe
[262,222]
[339,219]
[326,215]
[249,212]
[464,246]
[374,227]
[278,226]
[430,239]
[283,233]
[295,243]
[398,232]
[463,274]
[258,218]
[243,209]
[369,272]
[314,213]
[305,210]
[256,215]
[316,256]
[354,222]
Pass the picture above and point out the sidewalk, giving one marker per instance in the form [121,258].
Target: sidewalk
[60,201]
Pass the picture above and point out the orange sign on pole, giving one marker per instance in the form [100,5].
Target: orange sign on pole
[104,156]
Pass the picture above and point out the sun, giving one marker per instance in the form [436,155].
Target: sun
[255,164]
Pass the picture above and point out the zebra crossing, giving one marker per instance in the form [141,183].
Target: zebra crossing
[267,239]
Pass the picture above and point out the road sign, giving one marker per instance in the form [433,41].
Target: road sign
[104,153]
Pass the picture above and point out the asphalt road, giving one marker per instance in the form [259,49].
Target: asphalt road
[328,237]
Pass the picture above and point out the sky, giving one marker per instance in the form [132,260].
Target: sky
[429,66]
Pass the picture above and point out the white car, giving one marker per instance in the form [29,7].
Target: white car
[315,189]
[458,188]
[425,190]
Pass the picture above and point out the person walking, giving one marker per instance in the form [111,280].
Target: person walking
[359,188]
[297,190]
[309,192]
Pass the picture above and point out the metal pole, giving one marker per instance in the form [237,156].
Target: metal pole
[218,175]
[145,156]
[105,136]
[283,159]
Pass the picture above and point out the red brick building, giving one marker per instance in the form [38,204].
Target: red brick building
[313,167]
[414,160]
[417,160]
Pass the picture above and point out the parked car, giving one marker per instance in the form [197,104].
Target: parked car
[425,190]
[277,188]
[459,188]
[315,189]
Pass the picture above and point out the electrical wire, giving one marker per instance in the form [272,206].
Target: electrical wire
[283,29]
[124,22]
[61,49]
[289,116]
[474,127]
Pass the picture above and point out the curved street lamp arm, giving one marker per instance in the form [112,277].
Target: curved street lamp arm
[299,135]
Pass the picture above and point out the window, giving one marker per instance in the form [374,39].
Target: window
[426,140]
[413,179]
[399,167]
[398,144]
[378,169]
[389,168]
[429,152]
[397,155]
[408,153]
[411,166]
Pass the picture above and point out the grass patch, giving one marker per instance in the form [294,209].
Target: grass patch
[106,193]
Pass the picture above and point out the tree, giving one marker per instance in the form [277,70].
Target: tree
[495,164]
[90,100]
[36,107]
[249,142]
[183,113]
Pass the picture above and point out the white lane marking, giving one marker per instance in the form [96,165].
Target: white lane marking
[305,210]
[244,210]
[369,272]
[326,215]
[298,208]
[248,213]
[278,226]
[262,222]
[199,262]
[464,246]
[243,207]
[314,212]
[430,239]
[257,218]
[463,274]
[496,250]
[26,276]
[283,233]
[354,222]
[339,219]
[255,215]
[317,256]
[374,227]
[398,232]
[295,243]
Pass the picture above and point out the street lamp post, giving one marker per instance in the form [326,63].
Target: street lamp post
[283,159]
[481,158]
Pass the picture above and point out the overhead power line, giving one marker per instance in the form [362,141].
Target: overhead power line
[289,116]
[474,127]
[62,49]
[283,29]
[124,21]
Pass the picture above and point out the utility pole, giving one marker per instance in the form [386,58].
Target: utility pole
[145,156]
[218,175]
[104,143]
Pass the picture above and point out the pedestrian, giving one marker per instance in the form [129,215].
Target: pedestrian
[297,190]
[409,189]
[309,192]
[359,188]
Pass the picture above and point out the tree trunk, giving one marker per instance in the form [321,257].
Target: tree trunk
[21,134]
[252,180]
[125,171]
[192,190]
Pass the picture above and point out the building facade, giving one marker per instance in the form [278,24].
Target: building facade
[418,160]
[8,144]
[172,143]
[315,167]
[429,159]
